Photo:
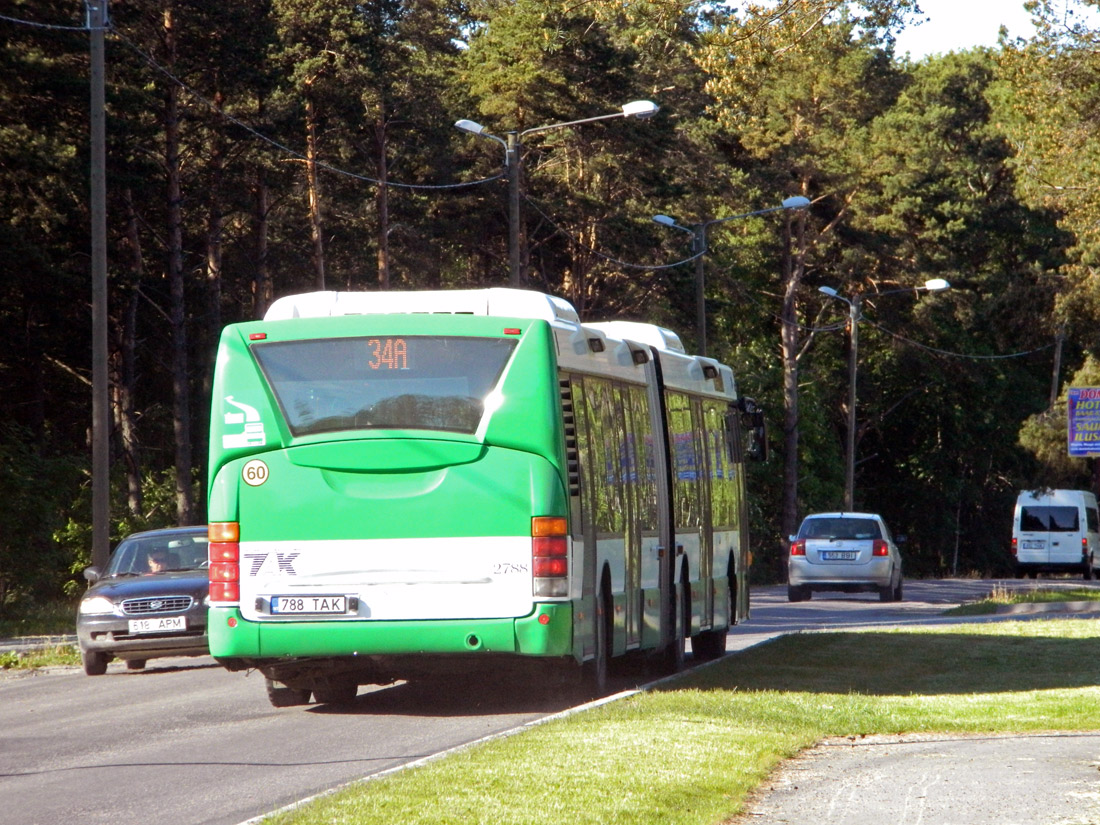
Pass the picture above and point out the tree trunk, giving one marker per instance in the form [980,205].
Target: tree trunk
[792,275]
[181,407]
[262,290]
[382,200]
[315,222]
[125,381]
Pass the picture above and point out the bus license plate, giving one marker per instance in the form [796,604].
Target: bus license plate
[839,555]
[322,605]
[165,624]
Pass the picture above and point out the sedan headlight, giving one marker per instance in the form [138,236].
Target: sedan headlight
[96,605]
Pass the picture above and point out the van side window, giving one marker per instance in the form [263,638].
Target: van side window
[1093,519]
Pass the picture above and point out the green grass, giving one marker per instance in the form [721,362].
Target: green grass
[45,657]
[1001,596]
[689,754]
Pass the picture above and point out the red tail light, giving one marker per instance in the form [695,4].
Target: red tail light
[881,548]
[798,548]
[225,562]
[1014,547]
[550,556]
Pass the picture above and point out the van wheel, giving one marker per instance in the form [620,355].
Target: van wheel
[1090,574]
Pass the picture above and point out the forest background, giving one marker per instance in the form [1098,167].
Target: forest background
[264,147]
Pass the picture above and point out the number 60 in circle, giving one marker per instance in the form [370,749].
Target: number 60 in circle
[254,473]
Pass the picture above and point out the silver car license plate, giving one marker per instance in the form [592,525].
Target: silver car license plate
[839,555]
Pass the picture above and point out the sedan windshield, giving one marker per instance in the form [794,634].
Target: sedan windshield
[149,555]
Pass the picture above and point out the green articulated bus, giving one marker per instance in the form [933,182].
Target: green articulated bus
[411,484]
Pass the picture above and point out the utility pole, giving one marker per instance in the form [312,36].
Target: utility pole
[101,473]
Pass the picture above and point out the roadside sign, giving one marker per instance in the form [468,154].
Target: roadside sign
[1083,412]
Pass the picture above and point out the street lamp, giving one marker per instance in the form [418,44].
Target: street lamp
[854,317]
[698,232]
[513,162]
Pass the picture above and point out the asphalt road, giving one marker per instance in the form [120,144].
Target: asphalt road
[188,743]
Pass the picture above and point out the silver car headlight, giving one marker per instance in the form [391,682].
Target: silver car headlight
[96,606]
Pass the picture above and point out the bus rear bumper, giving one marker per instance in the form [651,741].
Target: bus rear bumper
[547,631]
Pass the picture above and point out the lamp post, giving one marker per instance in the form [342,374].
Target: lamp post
[513,162]
[854,316]
[698,234]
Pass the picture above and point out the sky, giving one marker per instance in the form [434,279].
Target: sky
[961,24]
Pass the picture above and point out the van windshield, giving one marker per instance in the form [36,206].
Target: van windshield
[1049,519]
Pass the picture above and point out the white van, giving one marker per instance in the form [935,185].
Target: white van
[1056,531]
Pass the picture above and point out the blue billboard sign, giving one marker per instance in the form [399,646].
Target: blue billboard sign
[1083,411]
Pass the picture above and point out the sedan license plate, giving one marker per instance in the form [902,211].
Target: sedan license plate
[164,624]
[322,605]
[839,555]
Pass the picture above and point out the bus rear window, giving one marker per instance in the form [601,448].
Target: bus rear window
[383,382]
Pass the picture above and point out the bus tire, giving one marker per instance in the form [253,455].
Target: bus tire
[595,669]
[671,660]
[336,691]
[711,644]
[282,696]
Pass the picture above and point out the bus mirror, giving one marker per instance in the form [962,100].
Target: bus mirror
[756,429]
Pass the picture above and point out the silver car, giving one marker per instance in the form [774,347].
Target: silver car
[849,552]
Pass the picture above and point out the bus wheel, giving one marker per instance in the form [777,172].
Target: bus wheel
[672,658]
[710,644]
[282,696]
[335,691]
[595,669]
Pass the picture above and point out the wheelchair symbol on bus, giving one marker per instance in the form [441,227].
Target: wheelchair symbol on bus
[252,434]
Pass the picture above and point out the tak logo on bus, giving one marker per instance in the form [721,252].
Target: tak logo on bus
[284,560]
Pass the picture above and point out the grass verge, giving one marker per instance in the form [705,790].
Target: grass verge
[68,655]
[689,754]
[1001,596]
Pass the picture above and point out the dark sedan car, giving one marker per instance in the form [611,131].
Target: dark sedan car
[150,601]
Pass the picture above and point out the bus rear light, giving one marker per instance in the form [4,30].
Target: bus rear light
[224,550]
[798,548]
[224,571]
[550,556]
[881,548]
[225,592]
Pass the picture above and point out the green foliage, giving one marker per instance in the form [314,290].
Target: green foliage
[974,167]
[33,498]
